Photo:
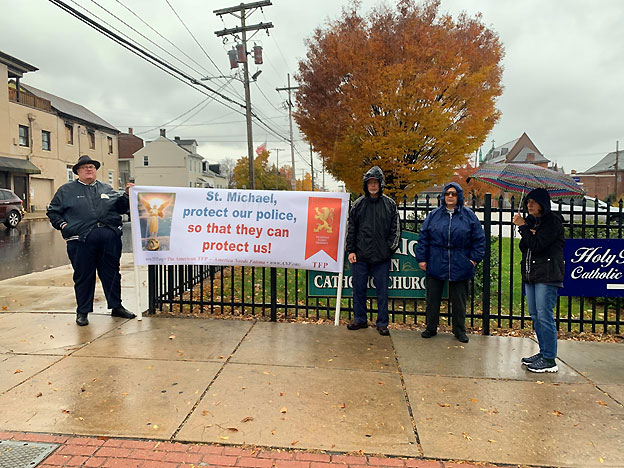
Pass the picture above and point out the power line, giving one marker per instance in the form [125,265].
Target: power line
[140,34]
[144,54]
[159,34]
[200,46]
[205,101]
[161,64]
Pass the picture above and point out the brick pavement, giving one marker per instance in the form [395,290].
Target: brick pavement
[105,452]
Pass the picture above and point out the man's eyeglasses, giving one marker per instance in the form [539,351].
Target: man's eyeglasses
[450,194]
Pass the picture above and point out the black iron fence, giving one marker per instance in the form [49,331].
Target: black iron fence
[496,298]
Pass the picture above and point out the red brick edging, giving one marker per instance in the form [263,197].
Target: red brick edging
[104,452]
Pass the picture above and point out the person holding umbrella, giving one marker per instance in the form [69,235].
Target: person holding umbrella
[541,244]
[450,244]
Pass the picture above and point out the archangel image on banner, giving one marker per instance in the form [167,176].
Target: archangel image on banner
[155,213]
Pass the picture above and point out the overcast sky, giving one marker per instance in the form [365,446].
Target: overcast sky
[563,69]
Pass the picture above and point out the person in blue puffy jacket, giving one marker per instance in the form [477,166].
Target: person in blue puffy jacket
[450,245]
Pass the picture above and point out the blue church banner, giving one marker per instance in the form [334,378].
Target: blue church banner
[593,268]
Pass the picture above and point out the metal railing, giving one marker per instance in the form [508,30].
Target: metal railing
[496,298]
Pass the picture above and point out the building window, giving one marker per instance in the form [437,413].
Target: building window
[146,160]
[111,177]
[110,145]
[91,136]
[70,174]
[24,137]
[45,140]
[69,133]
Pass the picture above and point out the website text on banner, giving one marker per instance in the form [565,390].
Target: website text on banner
[203,226]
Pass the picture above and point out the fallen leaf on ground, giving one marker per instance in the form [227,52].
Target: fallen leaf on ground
[557,413]
[247,419]
[223,437]
[18,371]
[39,394]
[65,411]
[466,436]
[326,393]
[233,429]
[283,410]
[172,337]
[444,405]
[600,402]
[294,442]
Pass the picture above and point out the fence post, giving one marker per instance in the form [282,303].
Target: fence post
[273,294]
[151,288]
[487,227]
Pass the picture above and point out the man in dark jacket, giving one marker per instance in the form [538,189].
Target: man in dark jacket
[373,236]
[450,244]
[87,212]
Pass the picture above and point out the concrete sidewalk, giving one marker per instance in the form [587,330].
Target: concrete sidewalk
[298,386]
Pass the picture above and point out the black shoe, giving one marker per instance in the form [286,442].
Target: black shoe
[531,359]
[356,326]
[383,331]
[462,337]
[428,333]
[122,312]
[543,365]
[82,320]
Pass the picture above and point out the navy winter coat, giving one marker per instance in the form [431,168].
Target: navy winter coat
[448,241]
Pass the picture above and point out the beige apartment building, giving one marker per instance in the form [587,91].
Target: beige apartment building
[174,163]
[42,136]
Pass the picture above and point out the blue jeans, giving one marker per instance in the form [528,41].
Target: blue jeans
[380,272]
[541,299]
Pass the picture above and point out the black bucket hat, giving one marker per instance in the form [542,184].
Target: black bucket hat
[84,159]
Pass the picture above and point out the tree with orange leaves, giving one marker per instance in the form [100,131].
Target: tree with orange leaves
[407,89]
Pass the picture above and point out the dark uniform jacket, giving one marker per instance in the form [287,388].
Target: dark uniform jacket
[448,241]
[374,227]
[542,252]
[82,206]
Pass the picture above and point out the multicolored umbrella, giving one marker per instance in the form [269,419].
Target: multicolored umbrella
[522,178]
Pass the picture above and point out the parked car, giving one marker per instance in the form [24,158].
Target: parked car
[11,208]
[593,206]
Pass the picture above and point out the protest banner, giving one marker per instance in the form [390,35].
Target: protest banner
[194,226]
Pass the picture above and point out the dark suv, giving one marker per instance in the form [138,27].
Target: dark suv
[11,208]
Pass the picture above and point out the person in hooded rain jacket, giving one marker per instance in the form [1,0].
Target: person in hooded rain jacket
[373,235]
[541,244]
[450,245]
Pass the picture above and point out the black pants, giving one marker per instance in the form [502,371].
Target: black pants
[100,252]
[458,294]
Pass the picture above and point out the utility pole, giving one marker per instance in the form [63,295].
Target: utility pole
[244,10]
[277,150]
[312,166]
[293,182]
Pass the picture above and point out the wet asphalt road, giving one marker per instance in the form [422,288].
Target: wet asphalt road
[36,246]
